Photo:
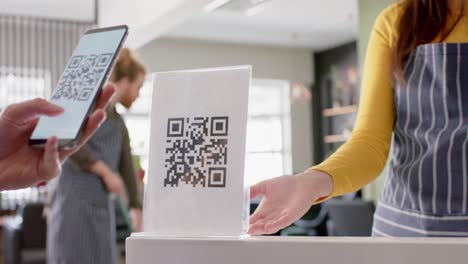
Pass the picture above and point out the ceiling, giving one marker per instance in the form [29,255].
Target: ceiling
[82,10]
[315,24]
[147,19]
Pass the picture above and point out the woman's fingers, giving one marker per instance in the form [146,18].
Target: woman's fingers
[262,210]
[277,224]
[261,216]
[256,216]
[258,189]
[92,124]
[257,229]
[271,224]
[22,113]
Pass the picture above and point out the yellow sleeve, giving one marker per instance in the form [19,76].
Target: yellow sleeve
[363,157]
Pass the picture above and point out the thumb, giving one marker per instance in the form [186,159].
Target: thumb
[22,113]
[50,160]
[257,189]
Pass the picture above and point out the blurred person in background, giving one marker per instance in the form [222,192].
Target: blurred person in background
[81,218]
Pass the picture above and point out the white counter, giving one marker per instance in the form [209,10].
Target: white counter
[143,249]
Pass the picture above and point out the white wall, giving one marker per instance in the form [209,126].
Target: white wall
[295,65]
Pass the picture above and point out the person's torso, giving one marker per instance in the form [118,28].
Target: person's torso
[106,145]
[426,191]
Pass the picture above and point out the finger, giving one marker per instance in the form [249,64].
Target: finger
[257,189]
[92,124]
[104,97]
[29,129]
[265,216]
[94,120]
[50,160]
[274,226]
[256,216]
[21,113]
[257,229]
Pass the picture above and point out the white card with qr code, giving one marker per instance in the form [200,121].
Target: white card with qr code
[196,185]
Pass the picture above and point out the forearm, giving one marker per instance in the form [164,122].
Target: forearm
[84,159]
[363,157]
[127,172]
[357,163]
[131,187]
[100,168]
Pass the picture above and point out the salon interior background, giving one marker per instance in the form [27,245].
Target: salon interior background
[35,43]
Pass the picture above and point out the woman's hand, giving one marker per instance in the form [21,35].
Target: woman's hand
[286,199]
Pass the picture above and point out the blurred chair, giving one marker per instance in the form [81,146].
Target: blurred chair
[350,217]
[25,236]
[313,223]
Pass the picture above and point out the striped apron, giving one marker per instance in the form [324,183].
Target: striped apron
[81,224]
[425,193]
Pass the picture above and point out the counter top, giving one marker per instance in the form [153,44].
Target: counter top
[144,248]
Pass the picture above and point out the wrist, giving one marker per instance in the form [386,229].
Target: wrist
[319,183]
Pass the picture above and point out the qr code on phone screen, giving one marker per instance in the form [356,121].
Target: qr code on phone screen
[196,152]
[81,76]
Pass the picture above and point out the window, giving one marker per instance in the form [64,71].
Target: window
[17,85]
[268,149]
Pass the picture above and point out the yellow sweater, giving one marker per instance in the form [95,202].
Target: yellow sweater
[363,157]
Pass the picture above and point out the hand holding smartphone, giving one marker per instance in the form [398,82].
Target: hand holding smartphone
[79,86]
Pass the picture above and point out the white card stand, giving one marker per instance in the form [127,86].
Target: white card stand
[196,184]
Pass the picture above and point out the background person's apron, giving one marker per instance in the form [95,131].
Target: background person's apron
[81,224]
[426,191]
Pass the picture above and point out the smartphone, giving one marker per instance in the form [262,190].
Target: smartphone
[79,86]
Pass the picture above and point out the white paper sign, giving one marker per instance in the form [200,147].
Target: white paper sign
[196,183]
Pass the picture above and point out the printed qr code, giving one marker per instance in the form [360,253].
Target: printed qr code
[196,152]
[81,76]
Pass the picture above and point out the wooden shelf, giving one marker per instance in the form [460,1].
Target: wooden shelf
[343,110]
[335,139]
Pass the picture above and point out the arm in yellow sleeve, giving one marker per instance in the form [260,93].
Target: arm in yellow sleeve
[363,157]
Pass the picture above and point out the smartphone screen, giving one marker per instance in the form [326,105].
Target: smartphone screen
[80,83]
